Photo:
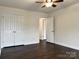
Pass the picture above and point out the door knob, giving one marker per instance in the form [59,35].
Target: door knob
[14,31]
[52,31]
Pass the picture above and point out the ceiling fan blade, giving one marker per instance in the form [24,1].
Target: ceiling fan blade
[51,0]
[54,5]
[43,6]
[58,1]
[39,2]
[46,0]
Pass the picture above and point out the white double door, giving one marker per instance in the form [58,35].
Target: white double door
[12,30]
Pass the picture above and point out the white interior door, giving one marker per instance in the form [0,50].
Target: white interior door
[7,26]
[50,30]
[12,30]
[19,30]
[0,34]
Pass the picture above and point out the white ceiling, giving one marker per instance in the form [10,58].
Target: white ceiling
[31,5]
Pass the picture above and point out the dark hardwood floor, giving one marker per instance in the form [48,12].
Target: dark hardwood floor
[44,50]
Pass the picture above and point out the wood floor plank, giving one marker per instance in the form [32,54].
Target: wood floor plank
[40,51]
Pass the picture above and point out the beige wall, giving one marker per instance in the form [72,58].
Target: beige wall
[67,26]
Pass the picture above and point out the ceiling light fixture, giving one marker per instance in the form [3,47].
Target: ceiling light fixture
[49,3]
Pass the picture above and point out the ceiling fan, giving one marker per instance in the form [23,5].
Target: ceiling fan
[49,3]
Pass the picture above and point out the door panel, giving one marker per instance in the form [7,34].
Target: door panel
[12,30]
[50,30]
[19,30]
[7,26]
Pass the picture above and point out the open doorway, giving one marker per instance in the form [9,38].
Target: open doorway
[46,29]
[42,29]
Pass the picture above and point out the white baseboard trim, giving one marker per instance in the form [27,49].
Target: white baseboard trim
[2,47]
[50,41]
[62,44]
[31,43]
[65,45]
[26,44]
